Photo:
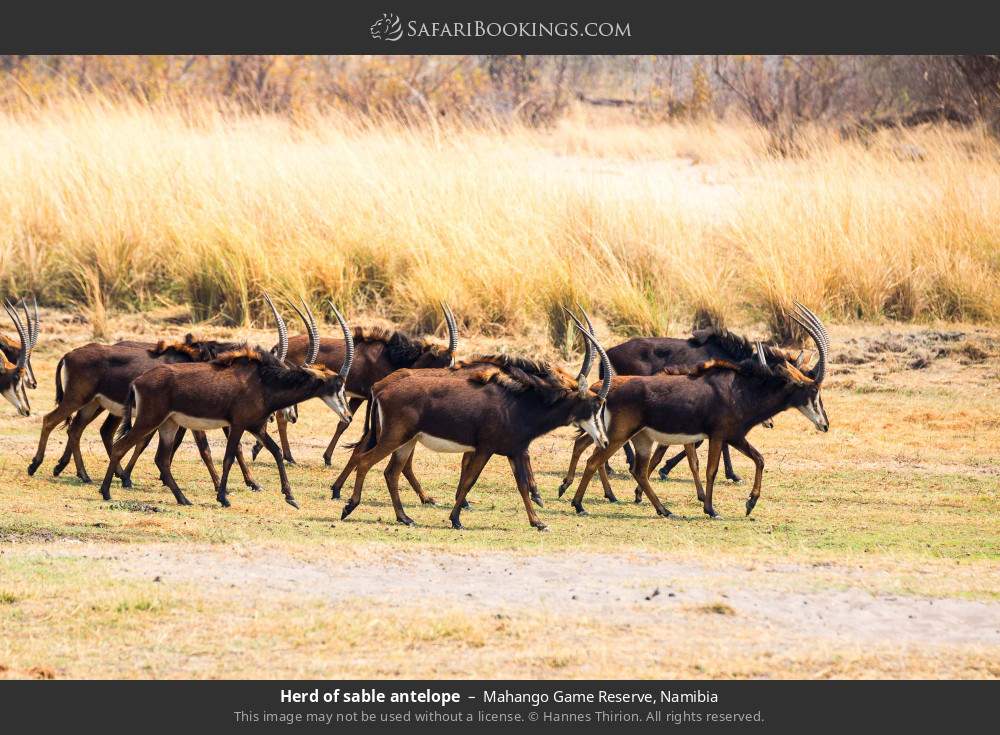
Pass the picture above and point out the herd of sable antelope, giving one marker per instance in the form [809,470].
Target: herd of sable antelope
[652,392]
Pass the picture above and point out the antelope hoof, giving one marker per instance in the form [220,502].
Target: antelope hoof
[638,495]
[56,471]
[663,512]
[751,502]
[223,500]
[541,527]
[182,500]
[35,464]
[428,501]
[710,512]
[292,501]
[126,482]
[349,507]
[327,460]
[466,505]
[254,487]
[664,473]
[580,510]
[406,521]
[456,524]
[84,478]
[334,492]
[734,478]
[105,494]
[289,459]
[563,485]
[611,498]
[537,500]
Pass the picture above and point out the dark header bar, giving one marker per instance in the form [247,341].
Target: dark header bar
[515,706]
[449,27]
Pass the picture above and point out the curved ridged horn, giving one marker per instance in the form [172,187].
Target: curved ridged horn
[312,332]
[22,334]
[449,319]
[588,355]
[36,328]
[32,324]
[590,328]
[282,330]
[348,342]
[759,349]
[605,365]
[815,329]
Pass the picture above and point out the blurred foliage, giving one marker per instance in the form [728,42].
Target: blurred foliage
[777,92]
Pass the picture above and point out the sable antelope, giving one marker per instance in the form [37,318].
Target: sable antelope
[16,377]
[12,350]
[467,368]
[239,390]
[492,411]
[96,377]
[378,352]
[719,400]
[649,355]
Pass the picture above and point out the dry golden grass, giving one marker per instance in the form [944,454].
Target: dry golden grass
[123,205]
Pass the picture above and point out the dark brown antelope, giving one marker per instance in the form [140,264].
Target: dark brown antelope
[12,349]
[649,355]
[96,377]
[720,401]
[492,411]
[238,390]
[15,377]
[378,352]
[467,368]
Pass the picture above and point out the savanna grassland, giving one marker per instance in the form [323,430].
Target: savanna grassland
[873,552]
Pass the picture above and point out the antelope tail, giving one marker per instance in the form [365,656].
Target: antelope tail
[59,385]
[126,425]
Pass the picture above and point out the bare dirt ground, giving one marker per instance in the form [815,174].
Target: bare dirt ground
[650,588]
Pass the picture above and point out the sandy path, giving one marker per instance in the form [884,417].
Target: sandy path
[645,588]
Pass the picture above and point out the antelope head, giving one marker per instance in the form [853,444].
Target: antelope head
[806,383]
[588,414]
[16,377]
[333,391]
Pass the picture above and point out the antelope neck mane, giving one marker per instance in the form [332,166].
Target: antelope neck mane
[519,375]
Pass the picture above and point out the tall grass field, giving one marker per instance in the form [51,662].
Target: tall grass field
[111,205]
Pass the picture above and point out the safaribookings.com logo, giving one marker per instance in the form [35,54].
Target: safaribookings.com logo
[387,28]
[390,28]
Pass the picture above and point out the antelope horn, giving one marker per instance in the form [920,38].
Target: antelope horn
[309,332]
[815,329]
[588,355]
[345,368]
[590,328]
[313,334]
[22,357]
[449,319]
[282,330]
[605,364]
[759,349]
[34,309]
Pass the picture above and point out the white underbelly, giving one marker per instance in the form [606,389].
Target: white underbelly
[195,423]
[436,444]
[661,438]
[110,406]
